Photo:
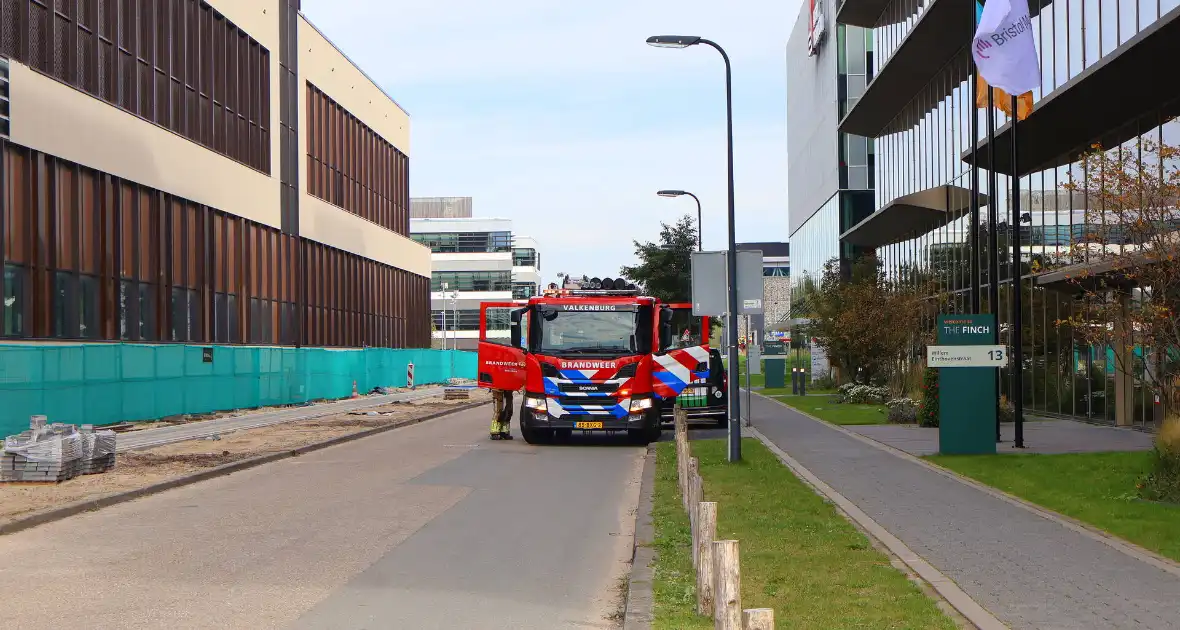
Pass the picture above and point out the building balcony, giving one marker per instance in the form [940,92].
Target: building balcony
[942,31]
[1108,103]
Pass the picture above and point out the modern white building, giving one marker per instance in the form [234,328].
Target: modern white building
[473,260]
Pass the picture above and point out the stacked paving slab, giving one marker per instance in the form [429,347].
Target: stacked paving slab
[56,452]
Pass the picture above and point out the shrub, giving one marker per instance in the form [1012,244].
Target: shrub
[1006,411]
[928,408]
[902,411]
[866,395]
[1163,482]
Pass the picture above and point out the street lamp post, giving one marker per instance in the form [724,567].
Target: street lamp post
[444,316]
[678,193]
[735,426]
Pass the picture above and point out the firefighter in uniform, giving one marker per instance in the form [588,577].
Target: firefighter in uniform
[501,415]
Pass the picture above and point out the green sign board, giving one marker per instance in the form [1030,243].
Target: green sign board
[773,347]
[967,395]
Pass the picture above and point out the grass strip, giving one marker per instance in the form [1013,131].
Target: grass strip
[1095,488]
[823,408]
[799,555]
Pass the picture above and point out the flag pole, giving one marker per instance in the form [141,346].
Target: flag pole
[974,245]
[993,245]
[1017,284]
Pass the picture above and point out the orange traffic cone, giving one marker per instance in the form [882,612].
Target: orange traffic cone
[354,392]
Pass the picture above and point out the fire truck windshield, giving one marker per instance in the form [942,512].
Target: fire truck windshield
[586,332]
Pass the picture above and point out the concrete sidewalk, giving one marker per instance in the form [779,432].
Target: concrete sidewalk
[1027,571]
[147,438]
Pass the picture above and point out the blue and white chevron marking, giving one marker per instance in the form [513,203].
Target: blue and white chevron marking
[618,410]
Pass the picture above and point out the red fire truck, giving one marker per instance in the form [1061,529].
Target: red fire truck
[599,359]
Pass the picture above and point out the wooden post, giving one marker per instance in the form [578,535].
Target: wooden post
[758,619]
[727,586]
[682,467]
[703,553]
[692,475]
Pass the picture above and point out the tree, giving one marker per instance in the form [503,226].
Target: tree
[664,269]
[1127,267]
[869,325]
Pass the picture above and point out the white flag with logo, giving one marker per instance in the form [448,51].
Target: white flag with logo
[1004,48]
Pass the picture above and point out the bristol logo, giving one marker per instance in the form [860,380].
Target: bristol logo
[982,45]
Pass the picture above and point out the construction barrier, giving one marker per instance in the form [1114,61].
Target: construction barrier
[100,383]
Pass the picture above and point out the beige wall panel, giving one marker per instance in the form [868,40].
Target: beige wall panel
[330,71]
[54,118]
[259,18]
[325,223]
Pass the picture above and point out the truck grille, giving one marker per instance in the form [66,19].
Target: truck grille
[589,388]
[596,401]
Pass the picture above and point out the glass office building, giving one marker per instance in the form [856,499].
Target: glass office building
[1098,85]
[831,174]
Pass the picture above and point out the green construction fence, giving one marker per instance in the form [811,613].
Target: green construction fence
[107,383]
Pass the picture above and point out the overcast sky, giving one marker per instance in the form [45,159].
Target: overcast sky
[557,115]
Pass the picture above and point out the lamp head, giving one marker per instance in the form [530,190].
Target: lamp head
[673,41]
[670,193]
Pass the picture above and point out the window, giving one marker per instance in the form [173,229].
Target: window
[465,242]
[147,312]
[523,290]
[525,257]
[471,280]
[88,307]
[179,314]
[14,303]
[586,332]
[4,120]
[498,319]
[776,272]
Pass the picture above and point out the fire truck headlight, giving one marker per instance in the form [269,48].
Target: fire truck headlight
[640,404]
[535,403]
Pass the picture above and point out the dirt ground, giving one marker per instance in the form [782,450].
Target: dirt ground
[145,467]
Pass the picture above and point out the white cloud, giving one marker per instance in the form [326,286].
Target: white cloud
[556,115]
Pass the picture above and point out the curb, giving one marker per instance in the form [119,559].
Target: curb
[947,589]
[1128,548]
[89,505]
[639,605]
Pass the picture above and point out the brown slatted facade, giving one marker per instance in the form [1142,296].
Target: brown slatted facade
[87,255]
[349,165]
[176,63]
[91,256]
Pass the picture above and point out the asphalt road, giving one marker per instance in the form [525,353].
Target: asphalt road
[430,526]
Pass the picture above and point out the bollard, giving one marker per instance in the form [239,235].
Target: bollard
[802,382]
[706,532]
[794,382]
[727,586]
[758,619]
[410,375]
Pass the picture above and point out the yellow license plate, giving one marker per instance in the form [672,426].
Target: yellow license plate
[587,425]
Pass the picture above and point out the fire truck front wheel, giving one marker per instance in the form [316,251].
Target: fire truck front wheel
[536,436]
